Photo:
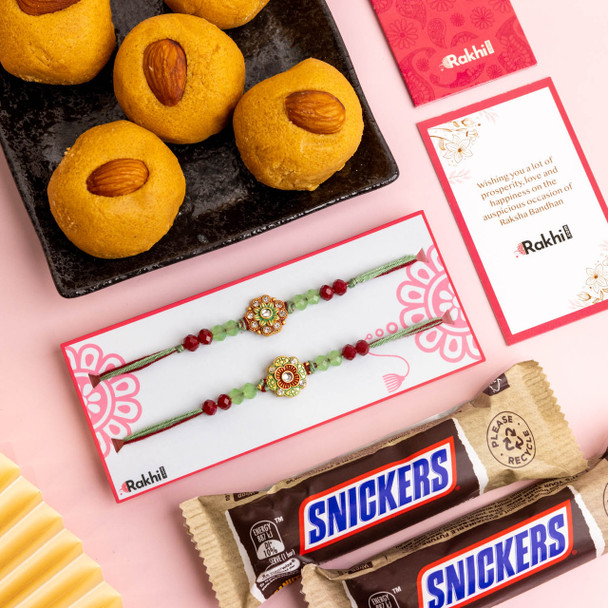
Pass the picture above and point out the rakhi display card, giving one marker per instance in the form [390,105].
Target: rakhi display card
[528,207]
[180,383]
[446,46]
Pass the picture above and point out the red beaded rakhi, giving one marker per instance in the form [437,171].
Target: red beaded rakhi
[286,376]
[264,316]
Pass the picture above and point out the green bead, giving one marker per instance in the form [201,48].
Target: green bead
[300,302]
[335,358]
[231,328]
[219,333]
[312,296]
[236,396]
[250,390]
[322,363]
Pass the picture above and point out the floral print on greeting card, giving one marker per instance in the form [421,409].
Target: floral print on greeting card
[427,293]
[382,5]
[503,6]
[442,5]
[595,288]
[112,406]
[402,34]
[454,141]
[482,18]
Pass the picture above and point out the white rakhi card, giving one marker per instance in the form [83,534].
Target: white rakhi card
[528,206]
[128,403]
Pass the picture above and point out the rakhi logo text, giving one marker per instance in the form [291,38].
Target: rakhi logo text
[501,560]
[374,497]
[146,479]
[452,61]
[544,241]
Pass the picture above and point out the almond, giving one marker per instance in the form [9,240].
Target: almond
[42,7]
[165,69]
[118,177]
[316,111]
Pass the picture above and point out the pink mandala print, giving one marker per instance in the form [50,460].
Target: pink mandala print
[482,17]
[402,34]
[111,406]
[427,293]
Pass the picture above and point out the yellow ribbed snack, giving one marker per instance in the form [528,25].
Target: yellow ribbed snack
[41,563]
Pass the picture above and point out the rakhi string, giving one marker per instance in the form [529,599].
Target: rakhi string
[387,268]
[135,365]
[286,377]
[265,316]
[413,329]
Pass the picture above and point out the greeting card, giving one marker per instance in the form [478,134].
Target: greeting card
[446,46]
[528,206]
[177,386]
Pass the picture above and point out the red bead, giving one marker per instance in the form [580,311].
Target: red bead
[224,402]
[340,287]
[349,352]
[326,292]
[190,343]
[362,347]
[205,336]
[209,407]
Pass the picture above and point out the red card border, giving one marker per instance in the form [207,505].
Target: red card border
[65,345]
[424,126]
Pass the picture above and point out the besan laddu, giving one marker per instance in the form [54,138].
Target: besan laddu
[452,61]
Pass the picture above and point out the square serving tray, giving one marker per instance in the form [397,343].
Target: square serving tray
[224,203]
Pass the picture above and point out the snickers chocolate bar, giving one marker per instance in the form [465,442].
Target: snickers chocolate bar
[255,543]
[481,559]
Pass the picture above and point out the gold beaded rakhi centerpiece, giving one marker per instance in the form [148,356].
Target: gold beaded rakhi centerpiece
[286,377]
[265,315]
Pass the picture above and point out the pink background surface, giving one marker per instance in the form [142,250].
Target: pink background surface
[141,544]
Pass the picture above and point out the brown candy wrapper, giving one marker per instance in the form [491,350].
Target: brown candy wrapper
[255,543]
[483,558]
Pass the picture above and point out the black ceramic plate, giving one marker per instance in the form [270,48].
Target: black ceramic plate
[224,203]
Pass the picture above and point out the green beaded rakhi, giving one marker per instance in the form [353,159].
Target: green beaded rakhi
[265,316]
[286,376]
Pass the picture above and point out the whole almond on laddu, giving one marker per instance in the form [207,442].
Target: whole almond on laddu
[43,7]
[165,68]
[316,111]
[118,177]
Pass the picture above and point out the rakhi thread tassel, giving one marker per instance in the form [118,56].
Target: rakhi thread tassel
[413,329]
[387,268]
[156,428]
[135,365]
[286,377]
[276,312]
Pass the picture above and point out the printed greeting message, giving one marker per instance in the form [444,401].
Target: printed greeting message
[528,190]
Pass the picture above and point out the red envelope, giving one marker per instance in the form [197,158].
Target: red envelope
[445,46]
